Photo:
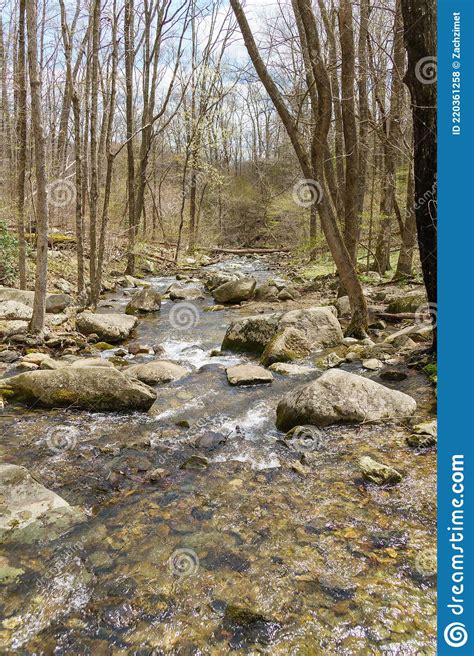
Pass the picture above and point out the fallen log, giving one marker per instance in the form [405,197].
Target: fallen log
[249,251]
[395,318]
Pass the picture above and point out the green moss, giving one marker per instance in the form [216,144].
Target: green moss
[431,369]
[103,346]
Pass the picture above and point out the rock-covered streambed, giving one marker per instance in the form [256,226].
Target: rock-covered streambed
[198,527]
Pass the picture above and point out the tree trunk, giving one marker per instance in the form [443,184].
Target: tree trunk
[408,245]
[21,134]
[39,304]
[94,164]
[351,142]
[129,59]
[421,43]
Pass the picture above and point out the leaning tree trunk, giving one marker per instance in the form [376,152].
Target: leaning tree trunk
[39,304]
[421,44]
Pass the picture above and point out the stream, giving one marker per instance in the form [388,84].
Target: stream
[246,554]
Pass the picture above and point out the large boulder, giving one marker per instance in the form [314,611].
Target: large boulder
[157,372]
[409,302]
[301,332]
[19,295]
[318,324]
[91,388]
[251,334]
[14,310]
[109,327]
[214,279]
[235,291]
[341,397]
[287,345]
[14,327]
[28,510]
[147,299]
[54,302]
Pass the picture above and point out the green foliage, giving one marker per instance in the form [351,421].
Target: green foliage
[431,370]
[8,255]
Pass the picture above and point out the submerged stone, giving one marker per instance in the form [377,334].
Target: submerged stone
[248,627]
[378,473]
[29,511]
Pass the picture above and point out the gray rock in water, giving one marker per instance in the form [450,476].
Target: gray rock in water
[29,511]
[318,324]
[108,327]
[146,299]
[424,435]
[91,388]
[378,473]
[214,279]
[248,374]
[235,291]
[289,344]
[251,334]
[266,292]
[157,372]
[340,397]
[288,369]
[184,293]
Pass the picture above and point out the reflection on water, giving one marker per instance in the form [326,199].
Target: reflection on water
[206,533]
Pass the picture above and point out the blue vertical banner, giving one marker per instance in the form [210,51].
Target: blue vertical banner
[455,318]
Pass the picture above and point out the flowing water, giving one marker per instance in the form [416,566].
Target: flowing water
[170,554]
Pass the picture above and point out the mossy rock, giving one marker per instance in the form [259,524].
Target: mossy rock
[103,346]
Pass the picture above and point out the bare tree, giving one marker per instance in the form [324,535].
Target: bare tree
[22,137]
[39,305]
[421,44]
